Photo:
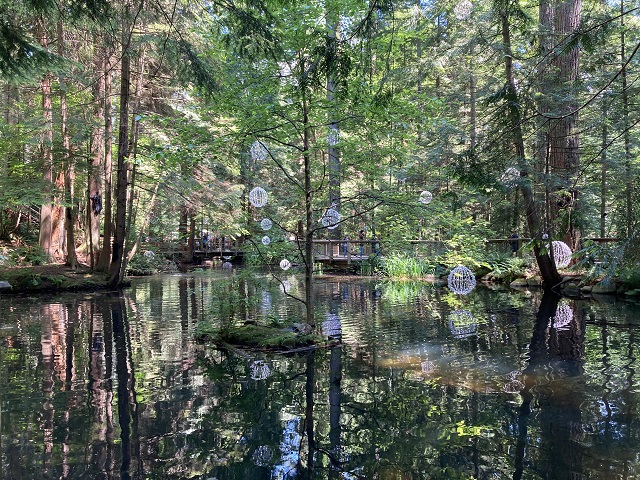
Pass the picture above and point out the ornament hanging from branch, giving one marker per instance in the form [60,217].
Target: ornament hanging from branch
[510,177]
[259,151]
[333,137]
[258,197]
[266,240]
[425,197]
[285,264]
[461,280]
[561,253]
[330,218]
[266,224]
[463,9]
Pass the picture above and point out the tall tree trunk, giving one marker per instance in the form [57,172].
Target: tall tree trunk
[308,234]
[94,193]
[603,168]
[47,152]
[625,128]
[548,270]
[560,20]
[335,197]
[117,254]
[105,256]
[69,167]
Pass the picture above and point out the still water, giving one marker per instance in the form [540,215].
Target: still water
[425,384]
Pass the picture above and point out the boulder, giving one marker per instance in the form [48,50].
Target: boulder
[534,281]
[604,287]
[519,283]
[4,285]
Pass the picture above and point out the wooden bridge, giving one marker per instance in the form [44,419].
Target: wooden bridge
[341,253]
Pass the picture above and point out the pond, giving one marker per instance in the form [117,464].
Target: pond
[424,384]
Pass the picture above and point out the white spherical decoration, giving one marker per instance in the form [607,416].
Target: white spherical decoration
[563,317]
[463,9]
[461,280]
[262,456]
[427,366]
[330,218]
[227,265]
[425,197]
[260,370]
[510,177]
[333,137]
[332,327]
[462,323]
[258,151]
[561,254]
[285,264]
[258,197]
[266,224]
[266,240]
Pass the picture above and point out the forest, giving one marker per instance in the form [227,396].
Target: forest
[128,125]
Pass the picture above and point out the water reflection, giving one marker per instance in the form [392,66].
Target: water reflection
[114,385]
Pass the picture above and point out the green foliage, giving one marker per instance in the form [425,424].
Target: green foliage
[146,263]
[507,268]
[404,266]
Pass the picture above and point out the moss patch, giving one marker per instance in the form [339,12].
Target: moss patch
[259,337]
[49,278]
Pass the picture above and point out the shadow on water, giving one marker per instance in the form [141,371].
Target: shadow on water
[424,384]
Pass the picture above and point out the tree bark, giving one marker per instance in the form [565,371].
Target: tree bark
[94,198]
[47,152]
[335,197]
[105,256]
[625,128]
[548,270]
[117,254]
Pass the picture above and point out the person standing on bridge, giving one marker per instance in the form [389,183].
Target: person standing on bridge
[362,235]
[345,245]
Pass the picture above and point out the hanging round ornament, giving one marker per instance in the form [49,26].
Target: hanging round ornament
[330,218]
[425,197]
[227,265]
[463,9]
[258,197]
[561,253]
[285,264]
[266,240]
[259,151]
[333,137]
[262,455]
[510,177]
[266,224]
[260,370]
[462,323]
[461,280]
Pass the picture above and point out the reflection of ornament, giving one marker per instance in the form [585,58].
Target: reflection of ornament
[463,9]
[260,370]
[265,305]
[461,280]
[258,197]
[266,240]
[462,323]
[258,151]
[266,224]
[510,177]
[427,366]
[285,264]
[426,197]
[330,218]
[227,265]
[514,385]
[561,253]
[332,327]
[333,137]
[563,317]
[262,455]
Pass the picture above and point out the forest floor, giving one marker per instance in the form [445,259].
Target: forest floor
[51,277]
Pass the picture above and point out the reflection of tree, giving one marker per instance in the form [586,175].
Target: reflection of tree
[555,358]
